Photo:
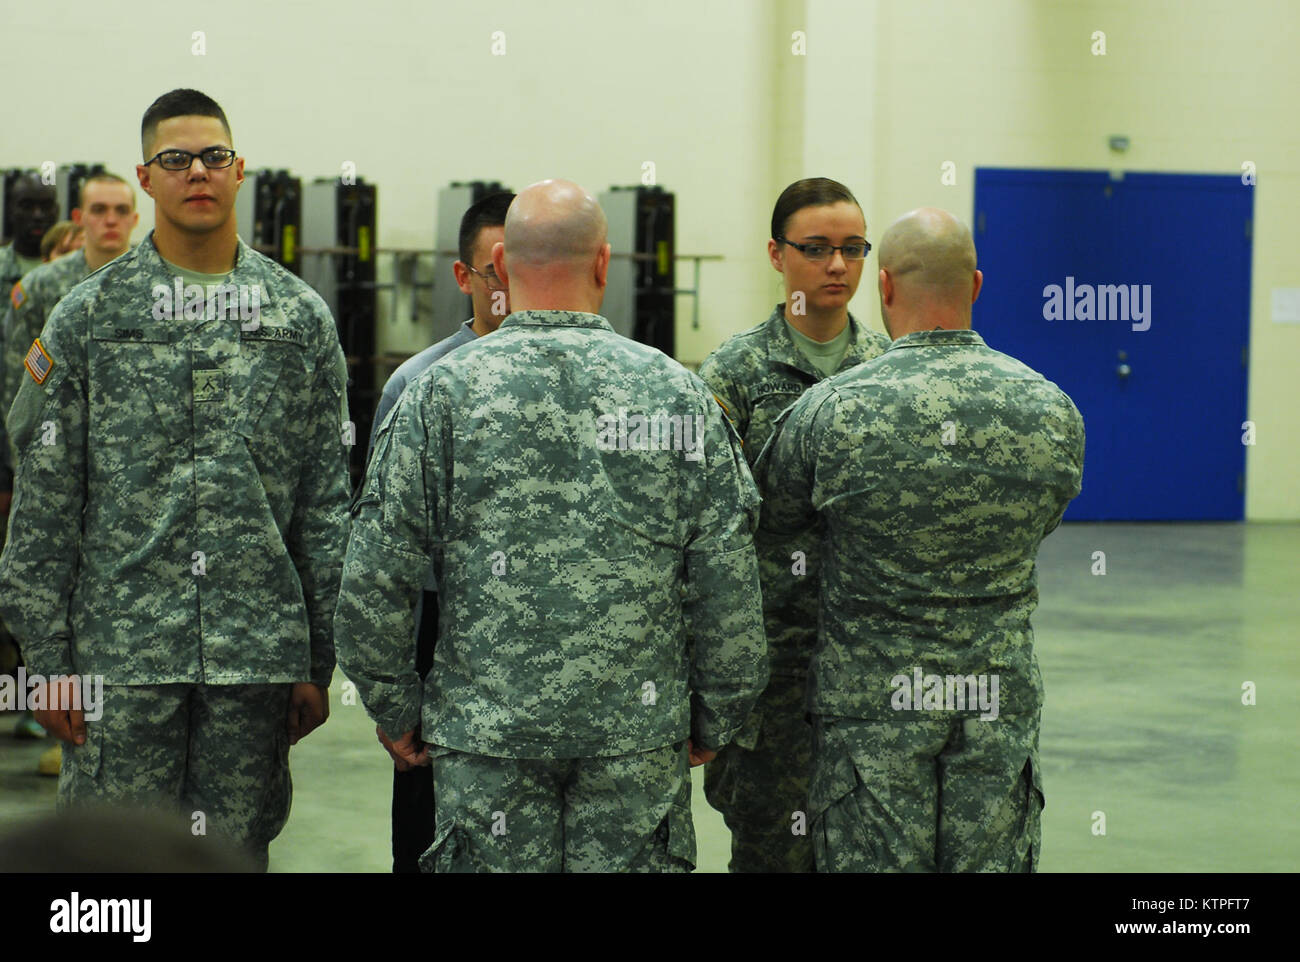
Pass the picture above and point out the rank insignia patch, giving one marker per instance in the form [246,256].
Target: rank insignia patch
[38,362]
[208,385]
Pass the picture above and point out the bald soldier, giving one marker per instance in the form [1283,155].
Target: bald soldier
[939,467]
[588,516]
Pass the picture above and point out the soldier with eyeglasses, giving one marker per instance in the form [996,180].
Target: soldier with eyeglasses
[180,504]
[818,245]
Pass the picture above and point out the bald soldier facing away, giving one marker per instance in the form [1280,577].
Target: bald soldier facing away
[589,516]
[939,466]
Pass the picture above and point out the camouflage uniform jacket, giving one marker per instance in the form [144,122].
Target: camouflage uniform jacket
[756,375]
[598,593]
[10,274]
[939,467]
[180,504]
[29,307]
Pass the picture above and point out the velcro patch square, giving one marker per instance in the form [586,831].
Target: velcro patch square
[38,362]
[208,385]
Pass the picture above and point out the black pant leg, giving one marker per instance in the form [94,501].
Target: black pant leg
[413,812]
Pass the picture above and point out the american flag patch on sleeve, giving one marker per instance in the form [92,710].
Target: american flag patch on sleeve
[38,362]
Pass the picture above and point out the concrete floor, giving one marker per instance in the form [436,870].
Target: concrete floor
[1144,720]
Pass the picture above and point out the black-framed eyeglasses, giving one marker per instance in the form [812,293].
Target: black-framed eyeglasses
[489,278]
[854,251]
[212,157]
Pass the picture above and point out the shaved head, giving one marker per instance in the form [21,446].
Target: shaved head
[554,257]
[928,278]
[554,220]
[930,252]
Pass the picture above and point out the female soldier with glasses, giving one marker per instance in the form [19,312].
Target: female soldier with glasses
[818,244]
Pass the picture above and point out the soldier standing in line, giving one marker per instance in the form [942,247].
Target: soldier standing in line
[481,228]
[180,504]
[939,468]
[600,621]
[36,208]
[107,209]
[818,244]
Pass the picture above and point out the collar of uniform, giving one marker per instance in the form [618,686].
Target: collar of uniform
[246,270]
[556,319]
[781,348]
[940,337]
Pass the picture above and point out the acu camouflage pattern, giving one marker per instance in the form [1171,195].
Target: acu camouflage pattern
[761,780]
[628,813]
[151,440]
[757,374]
[42,289]
[929,557]
[929,564]
[932,794]
[219,750]
[10,274]
[570,579]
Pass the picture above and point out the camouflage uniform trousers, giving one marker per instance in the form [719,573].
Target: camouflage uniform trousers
[10,659]
[222,750]
[947,794]
[626,813]
[759,784]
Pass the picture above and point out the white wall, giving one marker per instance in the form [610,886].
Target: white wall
[1200,86]
[413,95]
[710,91]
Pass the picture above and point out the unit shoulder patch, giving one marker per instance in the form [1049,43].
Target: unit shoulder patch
[18,296]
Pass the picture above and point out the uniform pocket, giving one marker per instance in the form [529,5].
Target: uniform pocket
[1035,801]
[88,757]
[675,840]
[837,830]
[270,376]
[449,851]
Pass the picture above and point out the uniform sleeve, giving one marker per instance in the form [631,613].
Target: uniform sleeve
[1075,445]
[387,401]
[786,468]
[722,603]
[387,559]
[22,325]
[48,435]
[8,384]
[319,531]
[6,461]
[727,392]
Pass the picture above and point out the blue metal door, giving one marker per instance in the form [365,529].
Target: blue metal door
[1133,295]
